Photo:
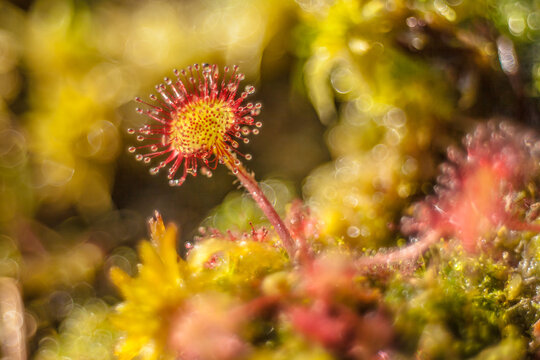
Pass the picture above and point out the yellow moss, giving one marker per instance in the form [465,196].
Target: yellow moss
[151,297]
[235,265]
[165,281]
[380,141]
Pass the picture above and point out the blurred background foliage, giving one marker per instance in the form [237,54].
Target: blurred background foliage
[361,100]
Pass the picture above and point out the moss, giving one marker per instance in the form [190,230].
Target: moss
[235,266]
[461,297]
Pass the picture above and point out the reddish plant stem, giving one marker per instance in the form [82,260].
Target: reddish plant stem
[249,182]
[400,256]
[414,251]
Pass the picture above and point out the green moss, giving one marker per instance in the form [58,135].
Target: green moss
[462,298]
[507,349]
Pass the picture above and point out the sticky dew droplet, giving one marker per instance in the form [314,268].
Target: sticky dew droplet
[206,172]
[176,182]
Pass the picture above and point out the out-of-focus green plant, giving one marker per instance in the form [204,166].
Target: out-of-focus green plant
[82,63]
[16,197]
[71,121]
[404,76]
[86,333]
[238,212]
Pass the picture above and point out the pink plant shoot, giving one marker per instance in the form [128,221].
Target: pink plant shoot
[202,117]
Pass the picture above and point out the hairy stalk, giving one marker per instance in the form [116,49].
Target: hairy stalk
[405,255]
[250,184]
[400,257]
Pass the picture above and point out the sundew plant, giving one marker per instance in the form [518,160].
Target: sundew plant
[204,122]
[323,179]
